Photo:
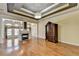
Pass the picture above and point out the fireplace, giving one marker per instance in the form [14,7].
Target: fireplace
[25,36]
[25,33]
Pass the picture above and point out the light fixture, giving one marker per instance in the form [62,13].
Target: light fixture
[37,15]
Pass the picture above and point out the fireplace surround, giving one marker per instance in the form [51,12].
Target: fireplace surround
[25,36]
[25,33]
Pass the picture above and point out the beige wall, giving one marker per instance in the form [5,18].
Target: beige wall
[69,30]
[68,27]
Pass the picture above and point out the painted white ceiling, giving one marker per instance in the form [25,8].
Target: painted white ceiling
[31,8]
[36,7]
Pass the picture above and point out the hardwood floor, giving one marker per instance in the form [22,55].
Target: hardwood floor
[40,47]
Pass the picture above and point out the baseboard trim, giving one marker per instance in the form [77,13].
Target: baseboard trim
[74,44]
[69,43]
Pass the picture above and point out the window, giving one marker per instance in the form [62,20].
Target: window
[9,32]
[16,31]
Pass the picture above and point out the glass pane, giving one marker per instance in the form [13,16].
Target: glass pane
[9,31]
[9,43]
[16,31]
[16,42]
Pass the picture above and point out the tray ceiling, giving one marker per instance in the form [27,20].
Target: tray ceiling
[30,9]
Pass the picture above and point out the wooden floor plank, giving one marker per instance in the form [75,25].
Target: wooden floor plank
[41,47]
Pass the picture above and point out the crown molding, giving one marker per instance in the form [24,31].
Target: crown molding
[71,5]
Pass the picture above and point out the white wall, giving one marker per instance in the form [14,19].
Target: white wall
[34,30]
[69,30]
[1,31]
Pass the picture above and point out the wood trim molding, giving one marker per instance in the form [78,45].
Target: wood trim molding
[19,13]
[70,6]
[73,44]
